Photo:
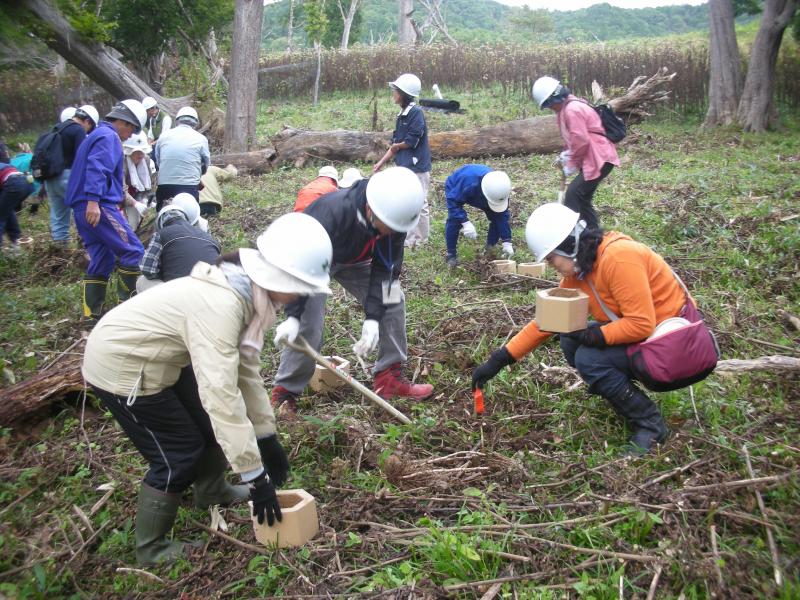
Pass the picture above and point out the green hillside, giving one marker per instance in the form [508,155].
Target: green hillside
[490,21]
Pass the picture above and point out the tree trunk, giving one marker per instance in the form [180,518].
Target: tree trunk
[405,29]
[539,135]
[756,108]
[290,28]
[92,58]
[348,22]
[318,48]
[725,71]
[240,116]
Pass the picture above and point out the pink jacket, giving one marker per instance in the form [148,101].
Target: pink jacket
[584,137]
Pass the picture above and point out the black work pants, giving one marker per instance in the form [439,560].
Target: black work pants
[580,193]
[170,429]
[166,191]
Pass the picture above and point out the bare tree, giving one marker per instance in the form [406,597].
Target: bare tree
[240,116]
[436,18]
[290,28]
[406,34]
[347,19]
[757,109]
[725,71]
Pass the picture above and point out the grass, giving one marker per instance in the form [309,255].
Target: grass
[539,469]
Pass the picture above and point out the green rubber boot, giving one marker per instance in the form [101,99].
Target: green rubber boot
[94,296]
[210,487]
[127,282]
[155,516]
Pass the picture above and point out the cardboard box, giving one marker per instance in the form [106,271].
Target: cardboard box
[561,310]
[299,524]
[505,266]
[325,381]
[531,269]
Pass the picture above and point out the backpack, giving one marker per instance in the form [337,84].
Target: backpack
[48,154]
[613,127]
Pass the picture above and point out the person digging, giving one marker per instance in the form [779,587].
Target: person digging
[632,281]
[179,369]
[367,224]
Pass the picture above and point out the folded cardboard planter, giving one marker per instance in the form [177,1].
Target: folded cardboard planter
[505,266]
[531,269]
[561,310]
[298,525]
[325,381]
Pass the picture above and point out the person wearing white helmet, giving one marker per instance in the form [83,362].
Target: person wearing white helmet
[88,117]
[179,368]
[158,121]
[182,157]
[327,181]
[95,192]
[177,244]
[139,173]
[349,177]
[67,114]
[409,147]
[485,189]
[367,224]
[588,153]
[631,291]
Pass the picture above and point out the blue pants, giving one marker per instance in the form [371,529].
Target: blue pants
[499,227]
[14,191]
[111,240]
[606,370]
[56,189]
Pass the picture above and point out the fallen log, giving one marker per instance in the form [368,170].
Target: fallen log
[537,135]
[773,364]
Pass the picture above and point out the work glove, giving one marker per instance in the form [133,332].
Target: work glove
[274,458]
[265,500]
[202,224]
[569,171]
[287,331]
[141,208]
[508,249]
[564,157]
[591,336]
[469,231]
[497,360]
[369,338]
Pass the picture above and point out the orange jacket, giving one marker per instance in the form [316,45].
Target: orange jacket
[633,281]
[319,187]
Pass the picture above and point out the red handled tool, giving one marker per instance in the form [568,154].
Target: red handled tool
[478,395]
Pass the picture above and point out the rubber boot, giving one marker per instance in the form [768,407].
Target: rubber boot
[155,516]
[127,282]
[94,296]
[390,383]
[643,418]
[210,487]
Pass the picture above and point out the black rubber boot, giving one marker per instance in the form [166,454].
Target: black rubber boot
[155,516]
[94,296]
[644,419]
[127,282]
[210,487]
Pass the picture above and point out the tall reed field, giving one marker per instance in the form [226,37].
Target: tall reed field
[514,68]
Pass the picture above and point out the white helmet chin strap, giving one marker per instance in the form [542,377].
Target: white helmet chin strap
[576,234]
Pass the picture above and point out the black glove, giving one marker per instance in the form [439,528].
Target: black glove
[591,336]
[274,458]
[497,360]
[265,500]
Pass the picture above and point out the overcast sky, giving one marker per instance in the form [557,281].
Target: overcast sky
[575,4]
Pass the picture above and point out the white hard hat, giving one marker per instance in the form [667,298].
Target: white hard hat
[329,171]
[189,205]
[89,111]
[166,213]
[138,141]
[67,113]
[396,197]
[149,102]
[548,226]
[496,186]
[187,111]
[349,177]
[131,111]
[543,88]
[299,246]
[408,83]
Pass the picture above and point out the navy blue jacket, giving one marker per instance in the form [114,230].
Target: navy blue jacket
[72,135]
[411,129]
[97,171]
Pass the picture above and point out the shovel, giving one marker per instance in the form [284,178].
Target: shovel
[301,345]
[563,189]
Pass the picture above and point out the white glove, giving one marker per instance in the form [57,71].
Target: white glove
[508,249]
[287,331]
[141,208]
[369,338]
[563,158]
[202,224]
[569,171]
[469,231]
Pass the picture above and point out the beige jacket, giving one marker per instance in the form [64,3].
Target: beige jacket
[211,191]
[141,346]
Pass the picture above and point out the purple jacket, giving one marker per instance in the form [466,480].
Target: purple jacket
[97,170]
